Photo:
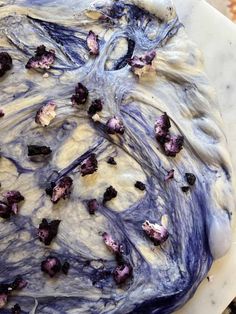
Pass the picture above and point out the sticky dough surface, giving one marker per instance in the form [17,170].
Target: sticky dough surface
[198,222]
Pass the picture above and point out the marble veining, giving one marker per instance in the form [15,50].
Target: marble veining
[196,221]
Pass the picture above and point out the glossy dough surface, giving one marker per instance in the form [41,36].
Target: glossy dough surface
[166,276]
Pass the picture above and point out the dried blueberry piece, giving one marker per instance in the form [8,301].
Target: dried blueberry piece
[61,189]
[95,107]
[111,161]
[92,206]
[5,63]
[109,194]
[89,165]
[43,59]
[46,114]
[5,210]
[140,185]
[136,62]
[185,189]
[19,283]
[191,178]
[81,95]
[122,273]
[16,309]
[142,65]
[113,246]
[81,90]
[92,43]
[158,234]
[2,114]
[51,266]
[9,205]
[170,175]
[34,150]
[47,231]
[162,126]
[140,62]
[13,197]
[115,125]
[173,145]
[65,268]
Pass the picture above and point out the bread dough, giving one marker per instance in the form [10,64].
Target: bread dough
[166,276]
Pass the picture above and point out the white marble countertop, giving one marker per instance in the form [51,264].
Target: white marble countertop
[216,37]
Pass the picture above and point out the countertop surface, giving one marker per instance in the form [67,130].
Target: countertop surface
[215,35]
